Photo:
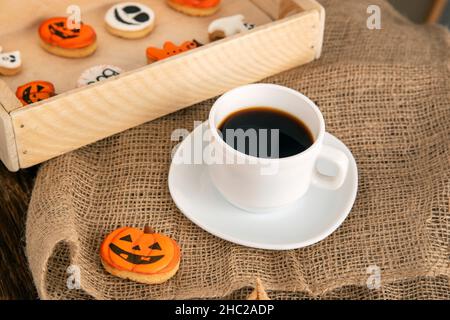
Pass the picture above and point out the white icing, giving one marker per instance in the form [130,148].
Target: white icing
[130,20]
[98,73]
[10,60]
[230,25]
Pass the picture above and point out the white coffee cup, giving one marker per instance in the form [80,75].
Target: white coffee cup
[261,184]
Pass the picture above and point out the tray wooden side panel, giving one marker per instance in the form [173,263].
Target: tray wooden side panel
[311,5]
[279,9]
[72,120]
[8,98]
[8,150]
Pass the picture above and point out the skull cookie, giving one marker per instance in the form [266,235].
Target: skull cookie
[130,20]
[98,73]
[10,63]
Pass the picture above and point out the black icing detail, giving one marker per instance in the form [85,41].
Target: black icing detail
[119,18]
[126,238]
[108,72]
[9,58]
[141,17]
[134,13]
[136,247]
[131,9]
[249,26]
[134,258]
[58,33]
[26,95]
[155,246]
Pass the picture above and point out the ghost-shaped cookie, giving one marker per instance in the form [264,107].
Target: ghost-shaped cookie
[228,26]
[10,62]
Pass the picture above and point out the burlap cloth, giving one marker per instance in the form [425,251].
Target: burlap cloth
[385,93]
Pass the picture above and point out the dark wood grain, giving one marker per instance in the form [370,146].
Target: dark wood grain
[15,192]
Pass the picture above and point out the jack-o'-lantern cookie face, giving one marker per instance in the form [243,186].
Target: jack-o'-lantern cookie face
[140,251]
[35,91]
[55,32]
[170,49]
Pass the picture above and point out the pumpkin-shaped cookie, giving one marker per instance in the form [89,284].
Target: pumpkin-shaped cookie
[58,38]
[35,91]
[140,255]
[199,8]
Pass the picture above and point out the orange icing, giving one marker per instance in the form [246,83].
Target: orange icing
[35,91]
[198,3]
[129,249]
[54,31]
[170,49]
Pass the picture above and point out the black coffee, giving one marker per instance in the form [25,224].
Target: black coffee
[266,132]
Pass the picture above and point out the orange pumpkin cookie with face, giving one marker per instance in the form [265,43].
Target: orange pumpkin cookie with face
[60,40]
[140,255]
[199,8]
[169,49]
[35,91]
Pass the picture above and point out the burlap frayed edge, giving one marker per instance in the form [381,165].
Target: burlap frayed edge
[240,290]
[40,271]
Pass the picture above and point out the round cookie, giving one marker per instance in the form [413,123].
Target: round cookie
[97,73]
[169,49]
[35,91]
[140,255]
[57,39]
[10,63]
[130,20]
[228,26]
[199,8]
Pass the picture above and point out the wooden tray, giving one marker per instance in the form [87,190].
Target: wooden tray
[288,33]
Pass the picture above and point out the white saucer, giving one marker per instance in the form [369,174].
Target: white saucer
[311,219]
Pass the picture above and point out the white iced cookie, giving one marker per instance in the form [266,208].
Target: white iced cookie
[98,73]
[228,26]
[10,63]
[130,20]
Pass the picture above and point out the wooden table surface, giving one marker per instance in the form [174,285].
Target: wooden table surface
[15,192]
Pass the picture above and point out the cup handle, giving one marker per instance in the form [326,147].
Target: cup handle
[340,160]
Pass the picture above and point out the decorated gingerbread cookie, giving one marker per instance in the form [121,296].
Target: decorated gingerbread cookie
[228,26]
[195,7]
[140,255]
[58,39]
[35,91]
[130,20]
[98,73]
[170,49]
[10,63]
